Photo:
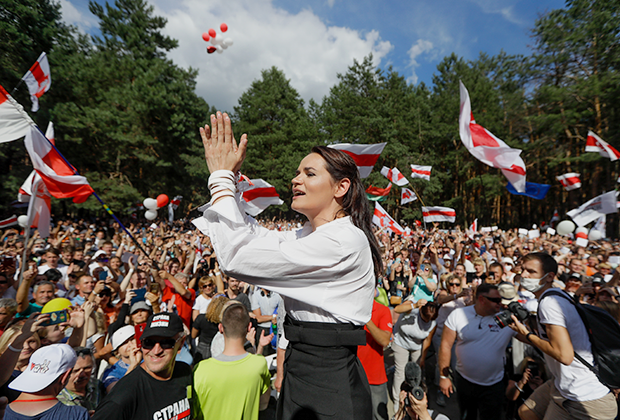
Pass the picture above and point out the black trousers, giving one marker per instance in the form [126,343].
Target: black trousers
[474,399]
[323,378]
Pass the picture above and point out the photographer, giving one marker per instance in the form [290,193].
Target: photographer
[524,385]
[410,407]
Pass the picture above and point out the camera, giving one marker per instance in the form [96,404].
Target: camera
[413,378]
[533,367]
[503,319]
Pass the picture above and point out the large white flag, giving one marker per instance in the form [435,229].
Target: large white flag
[595,208]
[14,121]
[418,171]
[394,176]
[258,195]
[38,79]
[382,219]
[487,148]
[438,214]
[364,155]
[407,196]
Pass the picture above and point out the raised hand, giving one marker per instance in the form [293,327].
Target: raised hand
[221,149]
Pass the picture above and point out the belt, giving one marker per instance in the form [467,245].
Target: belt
[324,334]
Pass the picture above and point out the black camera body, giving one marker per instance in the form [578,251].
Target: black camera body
[503,319]
[413,378]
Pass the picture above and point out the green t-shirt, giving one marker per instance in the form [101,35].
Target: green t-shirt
[230,389]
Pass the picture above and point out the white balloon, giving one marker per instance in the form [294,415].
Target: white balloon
[22,221]
[150,203]
[224,46]
[219,49]
[595,235]
[565,227]
[215,41]
[581,230]
[228,42]
[150,215]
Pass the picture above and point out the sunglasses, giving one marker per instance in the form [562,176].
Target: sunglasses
[164,343]
[208,285]
[454,284]
[494,300]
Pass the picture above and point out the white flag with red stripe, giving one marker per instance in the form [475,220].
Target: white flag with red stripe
[487,148]
[473,228]
[394,175]
[38,79]
[364,155]
[595,208]
[407,196]
[14,121]
[570,181]
[8,222]
[423,172]
[58,176]
[596,144]
[438,214]
[382,219]
[257,195]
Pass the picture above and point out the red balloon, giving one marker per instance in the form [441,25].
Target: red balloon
[223,27]
[205,36]
[582,235]
[211,49]
[162,200]
[418,223]
[212,33]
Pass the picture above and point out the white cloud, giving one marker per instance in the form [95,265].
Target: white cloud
[504,8]
[416,50]
[71,15]
[330,3]
[310,53]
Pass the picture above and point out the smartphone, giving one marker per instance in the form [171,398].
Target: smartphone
[139,295]
[56,317]
[103,275]
[155,288]
[533,367]
[139,328]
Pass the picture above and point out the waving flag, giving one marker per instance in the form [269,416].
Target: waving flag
[8,222]
[383,220]
[570,181]
[257,196]
[378,194]
[487,148]
[38,79]
[407,196]
[394,175]
[423,172]
[596,144]
[58,176]
[49,133]
[595,208]
[14,121]
[173,205]
[532,190]
[364,155]
[39,209]
[555,217]
[473,228]
[438,214]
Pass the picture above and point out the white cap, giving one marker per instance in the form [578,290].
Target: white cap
[121,335]
[44,367]
[508,260]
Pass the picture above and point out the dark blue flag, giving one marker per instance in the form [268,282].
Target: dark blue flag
[537,191]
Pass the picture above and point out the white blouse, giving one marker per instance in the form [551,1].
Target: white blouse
[324,276]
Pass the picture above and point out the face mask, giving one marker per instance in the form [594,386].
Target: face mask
[532,285]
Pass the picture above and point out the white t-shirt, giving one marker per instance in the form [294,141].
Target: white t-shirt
[445,310]
[201,304]
[411,330]
[480,346]
[575,381]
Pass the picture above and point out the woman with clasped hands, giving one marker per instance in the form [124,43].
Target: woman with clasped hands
[325,271]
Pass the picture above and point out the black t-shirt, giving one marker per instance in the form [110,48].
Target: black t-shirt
[206,329]
[139,396]
[243,298]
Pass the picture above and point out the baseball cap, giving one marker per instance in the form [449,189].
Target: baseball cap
[508,293]
[163,324]
[121,335]
[508,260]
[139,305]
[44,367]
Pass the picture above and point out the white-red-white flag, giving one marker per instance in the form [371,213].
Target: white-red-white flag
[438,214]
[38,79]
[8,222]
[394,175]
[172,206]
[596,144]
[382,219]
[364,155]
[570,181]
[595,208]
[473,228]
[58,176]
[555,217]
[407,196]
[14,121]
[423,172]
[257,196]
[487,148]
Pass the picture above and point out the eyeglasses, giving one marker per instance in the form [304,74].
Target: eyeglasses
[454,284]
[164,343]
[494,300]
[84,351]
[208,285]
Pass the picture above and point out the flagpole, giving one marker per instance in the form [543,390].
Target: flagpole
[105,206]
[18,85]
[421,201]
[31,206]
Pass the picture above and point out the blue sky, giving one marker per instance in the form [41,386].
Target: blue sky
[314,40]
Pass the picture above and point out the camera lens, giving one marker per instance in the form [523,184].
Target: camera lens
[503,319]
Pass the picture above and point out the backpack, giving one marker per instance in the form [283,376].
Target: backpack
[604,334]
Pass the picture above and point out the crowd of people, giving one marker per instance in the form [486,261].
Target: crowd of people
[435,285]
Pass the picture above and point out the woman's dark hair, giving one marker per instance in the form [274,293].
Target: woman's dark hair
[354,203]
[430,310]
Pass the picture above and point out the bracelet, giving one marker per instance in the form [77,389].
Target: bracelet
[444,377]
[14,349]
[517,386]
[528,336]
[221,184]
